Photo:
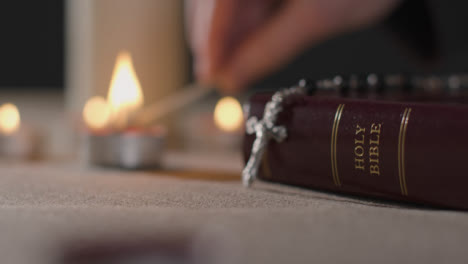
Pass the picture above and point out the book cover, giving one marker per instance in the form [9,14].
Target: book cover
[412,152]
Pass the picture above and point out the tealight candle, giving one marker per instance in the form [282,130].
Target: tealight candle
[111,138]
[16,140]
[228,115]
[214,126]
[229,119]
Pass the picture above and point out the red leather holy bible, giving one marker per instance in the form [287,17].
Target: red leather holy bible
[413,152]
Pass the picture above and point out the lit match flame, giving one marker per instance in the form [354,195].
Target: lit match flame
[124,97]
[228,114]
[9,118]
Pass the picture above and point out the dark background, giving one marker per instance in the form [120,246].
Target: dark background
[32,43]
[32,47]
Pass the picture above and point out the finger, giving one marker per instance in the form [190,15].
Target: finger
[211,39]
[299,24]
[196,21]
[270,46]
[232,21]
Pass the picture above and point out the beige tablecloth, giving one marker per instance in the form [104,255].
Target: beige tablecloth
[58,213]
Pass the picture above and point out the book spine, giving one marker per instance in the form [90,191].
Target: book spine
[389,150]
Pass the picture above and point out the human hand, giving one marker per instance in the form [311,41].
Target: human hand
[235,42]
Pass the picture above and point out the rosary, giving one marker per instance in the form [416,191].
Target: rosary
[266,128]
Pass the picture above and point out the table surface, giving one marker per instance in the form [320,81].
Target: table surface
[196,211]
[65,212]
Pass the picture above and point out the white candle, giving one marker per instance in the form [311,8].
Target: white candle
[152,31]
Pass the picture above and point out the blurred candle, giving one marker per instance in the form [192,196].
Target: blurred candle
[9,119]
[152,31]
[228,115]
[97,113]
[111,138]
[214,126]
[16,140]
[228,119]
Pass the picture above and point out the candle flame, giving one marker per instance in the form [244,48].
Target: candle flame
[125,95]
[97,113]
[228,114]
[9,118]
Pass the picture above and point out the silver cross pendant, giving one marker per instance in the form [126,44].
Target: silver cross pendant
[266,129]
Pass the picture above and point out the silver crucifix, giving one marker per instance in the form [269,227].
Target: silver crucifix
[265,129]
